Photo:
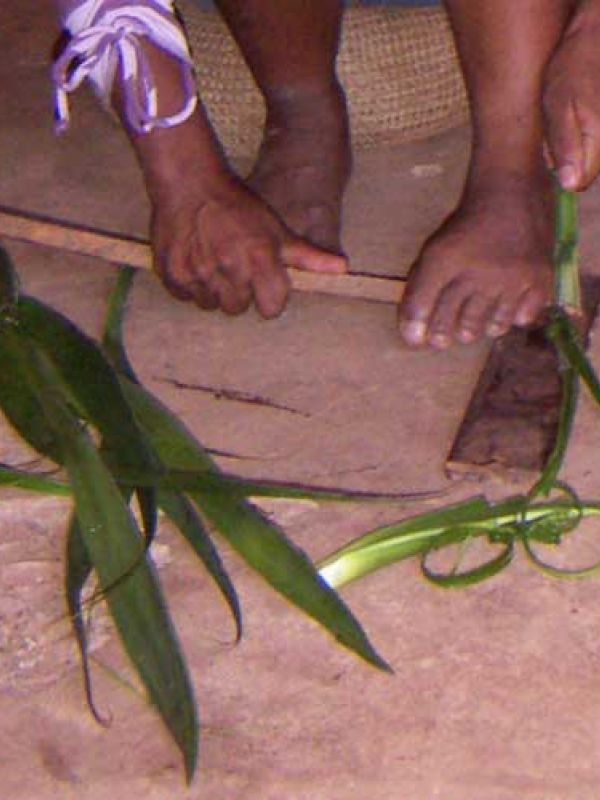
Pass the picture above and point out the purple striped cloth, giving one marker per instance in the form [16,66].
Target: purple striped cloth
[105,39]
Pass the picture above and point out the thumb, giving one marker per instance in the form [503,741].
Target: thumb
[590,147]
[565,145]
[299,253]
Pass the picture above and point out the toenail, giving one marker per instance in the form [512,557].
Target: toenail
[523,318]
[466,336]
[494,330]
[414,331]
[440,341]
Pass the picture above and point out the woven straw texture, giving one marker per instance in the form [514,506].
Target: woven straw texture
[398,66]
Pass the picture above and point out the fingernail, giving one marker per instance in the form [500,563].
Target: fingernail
[414,331]
[567,176]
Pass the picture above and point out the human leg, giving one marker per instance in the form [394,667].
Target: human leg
[489,265]
[304,160]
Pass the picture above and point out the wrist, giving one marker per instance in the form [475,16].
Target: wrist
[180,160]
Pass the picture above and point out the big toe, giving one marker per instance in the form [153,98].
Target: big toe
[415,310]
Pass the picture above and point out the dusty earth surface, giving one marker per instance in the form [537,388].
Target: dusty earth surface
[496,692]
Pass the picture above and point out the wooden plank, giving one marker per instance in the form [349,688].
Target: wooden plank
[137,253]
[511,422]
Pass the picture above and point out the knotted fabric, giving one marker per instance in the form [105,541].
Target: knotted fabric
[105,39]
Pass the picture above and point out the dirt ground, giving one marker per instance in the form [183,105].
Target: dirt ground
[496,692]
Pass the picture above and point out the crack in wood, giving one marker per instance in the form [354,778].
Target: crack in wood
[235,395]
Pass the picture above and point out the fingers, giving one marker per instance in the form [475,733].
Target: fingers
[230,279]
[301,254]
[572,129]
[573,142]
[590,144]
[564,143]
[230,268]
[268,279]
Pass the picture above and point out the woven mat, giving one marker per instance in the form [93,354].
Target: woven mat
[398,65]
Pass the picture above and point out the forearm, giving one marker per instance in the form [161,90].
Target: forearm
[136,55]
[178,158]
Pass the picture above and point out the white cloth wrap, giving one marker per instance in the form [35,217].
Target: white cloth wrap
[105,37]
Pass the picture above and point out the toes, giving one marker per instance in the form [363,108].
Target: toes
[530,307]
[416,308]
[443,327]
[476,318]
[502,318]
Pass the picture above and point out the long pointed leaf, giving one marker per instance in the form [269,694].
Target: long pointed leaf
[266,549]
[256,539]
[77,570]
[112,336]
[18,401]
[175,505]
[91,381]
[183,514]
[32,482]
[147,503]
[113,544]
[187,480]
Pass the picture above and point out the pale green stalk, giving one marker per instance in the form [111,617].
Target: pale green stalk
[501,523]
[566,255]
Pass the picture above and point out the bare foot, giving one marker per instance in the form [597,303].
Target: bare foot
[488,267]
[304,163]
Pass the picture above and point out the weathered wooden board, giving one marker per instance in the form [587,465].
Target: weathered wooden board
[511,421]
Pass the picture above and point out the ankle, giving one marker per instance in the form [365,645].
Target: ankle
[514,185]
[290,102]
[512,156]
[181,160]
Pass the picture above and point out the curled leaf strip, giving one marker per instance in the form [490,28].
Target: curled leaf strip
[458,580]
[562,573]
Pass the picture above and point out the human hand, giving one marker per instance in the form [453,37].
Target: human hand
[571,101]
[226,249]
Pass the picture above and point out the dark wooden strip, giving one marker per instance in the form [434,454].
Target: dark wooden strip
[511,422]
